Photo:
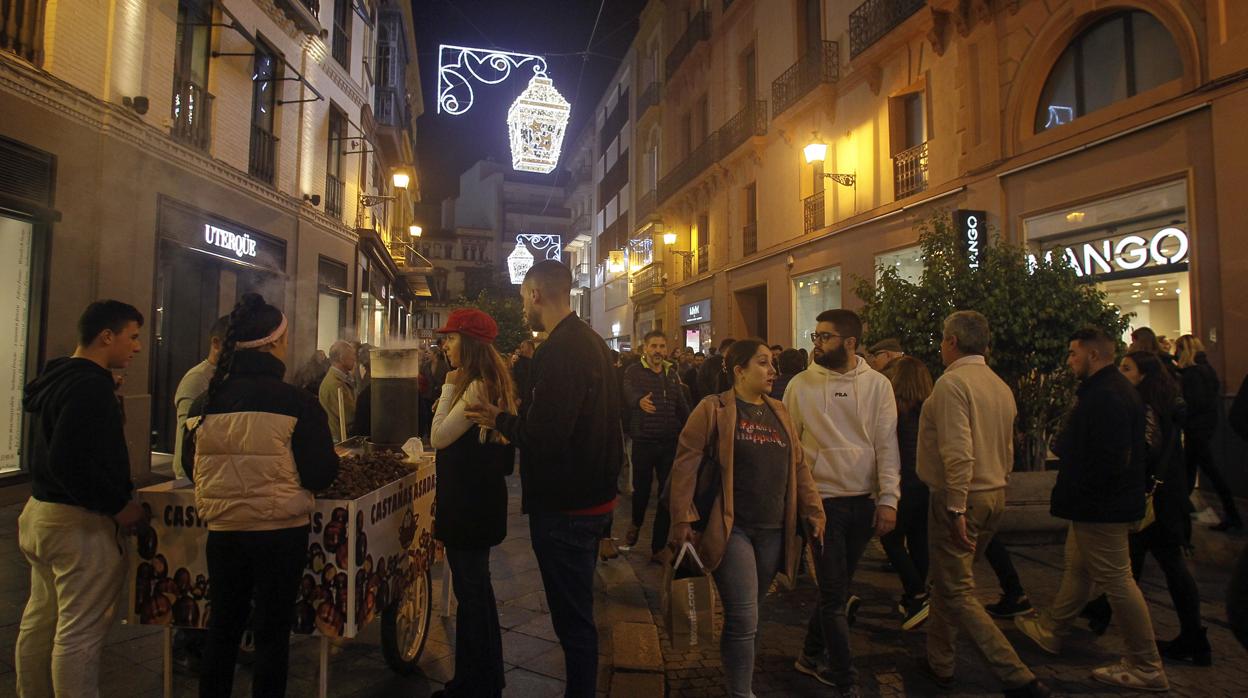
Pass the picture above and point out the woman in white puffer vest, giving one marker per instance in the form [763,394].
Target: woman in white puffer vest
[256,449]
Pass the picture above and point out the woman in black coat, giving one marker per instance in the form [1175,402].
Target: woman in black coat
[472,464]
[1201,392]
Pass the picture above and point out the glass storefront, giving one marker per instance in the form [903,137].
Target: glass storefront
[812,294]
[16,257]
[908,262]
[695,325]
[331,303]
[1134,247]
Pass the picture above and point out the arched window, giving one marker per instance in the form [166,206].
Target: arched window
[1118,57]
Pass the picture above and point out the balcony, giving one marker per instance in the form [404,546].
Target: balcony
[821,66]
[749,239]
[875,18]
[260,161]
[192,114]
[645,206]
[704,258]
[910,171]
[699,29]
[812,212]
[747,123]
[304,13]
[335,192]
[648,283]
[689,168]
[391,108]
[649,98]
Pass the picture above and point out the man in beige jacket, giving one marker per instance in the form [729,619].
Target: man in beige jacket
[965,454]
[338,389]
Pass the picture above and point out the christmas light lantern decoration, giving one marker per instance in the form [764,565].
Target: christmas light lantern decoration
[536,122]
[519,262]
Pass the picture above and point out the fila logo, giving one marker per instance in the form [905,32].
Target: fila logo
[841,394]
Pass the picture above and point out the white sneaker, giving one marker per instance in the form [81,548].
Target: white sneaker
[1128,675]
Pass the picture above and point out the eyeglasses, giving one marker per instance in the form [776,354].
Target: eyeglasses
[821,337]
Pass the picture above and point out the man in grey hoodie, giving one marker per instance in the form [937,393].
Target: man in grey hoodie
[846,416]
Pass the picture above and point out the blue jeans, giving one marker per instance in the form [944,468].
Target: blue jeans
[851,523]
[478,640]
[566,547]
[751,559]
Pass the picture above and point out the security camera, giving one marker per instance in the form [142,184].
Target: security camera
[138,104]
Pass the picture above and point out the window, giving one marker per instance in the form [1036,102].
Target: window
[342,33]
[391,98]
[749,237]
[265,79]
[813,294]
[704,243]
[749,77]
[908,263]
[17,239]
[1112,60]
[908,137]
[192,48]
[335,187]
[332,296]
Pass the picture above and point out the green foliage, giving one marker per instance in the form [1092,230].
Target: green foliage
[1032,307]
[507,311]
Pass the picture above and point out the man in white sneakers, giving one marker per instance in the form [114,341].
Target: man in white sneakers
[846,416]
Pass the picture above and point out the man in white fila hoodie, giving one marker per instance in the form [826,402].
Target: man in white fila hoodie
[846,416]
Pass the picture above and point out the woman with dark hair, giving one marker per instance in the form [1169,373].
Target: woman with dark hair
[906,545]
[256,448]
[790,364]
[1202,392]
[765,502]
[472,464]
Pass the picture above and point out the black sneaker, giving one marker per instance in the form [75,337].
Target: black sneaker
[1035,689]
[1008,607]
[851,609]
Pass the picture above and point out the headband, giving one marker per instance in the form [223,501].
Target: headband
[255,343]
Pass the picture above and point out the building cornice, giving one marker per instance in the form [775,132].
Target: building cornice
[339,76]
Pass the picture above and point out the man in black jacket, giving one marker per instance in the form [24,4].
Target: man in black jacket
[70,530]
[571,449]
[712,380]
[1100,490]
[654,391]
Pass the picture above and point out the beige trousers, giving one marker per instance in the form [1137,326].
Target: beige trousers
[1098,560]
[953,602]
[77,568]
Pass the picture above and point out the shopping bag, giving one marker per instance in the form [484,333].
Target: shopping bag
[688,604]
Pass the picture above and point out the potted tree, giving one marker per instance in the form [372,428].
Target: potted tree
[1033,305]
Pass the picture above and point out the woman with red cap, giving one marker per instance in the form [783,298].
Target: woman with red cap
[472,464]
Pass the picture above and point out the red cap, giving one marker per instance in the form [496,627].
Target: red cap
[471,322]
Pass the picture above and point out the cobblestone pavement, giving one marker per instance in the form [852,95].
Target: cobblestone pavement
[885,656]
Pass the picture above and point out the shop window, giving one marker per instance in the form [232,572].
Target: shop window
[332,298]
[1116,58]
[812,294]
[908,263]
[266,78]
[16,244]
[192,105]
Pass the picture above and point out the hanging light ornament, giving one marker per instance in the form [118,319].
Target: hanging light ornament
[519,262]
[536,121]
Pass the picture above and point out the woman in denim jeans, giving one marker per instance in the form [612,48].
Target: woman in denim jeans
[750,537]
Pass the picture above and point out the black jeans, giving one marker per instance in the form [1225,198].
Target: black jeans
[851,523]
[263,567]
[906,545]
[652,460]
[1183,590]
[1198,452]
[1003,566]
[478,640]
[566,547]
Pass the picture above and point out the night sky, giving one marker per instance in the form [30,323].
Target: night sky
[557,29]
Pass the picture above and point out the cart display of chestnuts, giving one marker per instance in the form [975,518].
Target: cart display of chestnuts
[360,474]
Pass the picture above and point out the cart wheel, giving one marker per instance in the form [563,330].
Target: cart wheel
[405,625]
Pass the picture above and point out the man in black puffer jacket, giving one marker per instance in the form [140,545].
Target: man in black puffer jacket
[1100,490]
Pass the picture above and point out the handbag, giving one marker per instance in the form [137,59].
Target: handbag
[708,484]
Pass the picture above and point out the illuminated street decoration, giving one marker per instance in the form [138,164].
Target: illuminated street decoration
[537,119]
[522,258]
[519,262]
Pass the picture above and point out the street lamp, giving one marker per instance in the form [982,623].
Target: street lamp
[669,239]
[415,230]
[817,151]
[401,180]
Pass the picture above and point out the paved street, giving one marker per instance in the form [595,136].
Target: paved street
[628,592]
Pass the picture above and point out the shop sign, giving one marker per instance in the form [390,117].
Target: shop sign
[973,234]
[241,245]
[696,313]
[1127,253]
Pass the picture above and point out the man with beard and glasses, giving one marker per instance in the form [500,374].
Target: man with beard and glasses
[571,450]
[846,416]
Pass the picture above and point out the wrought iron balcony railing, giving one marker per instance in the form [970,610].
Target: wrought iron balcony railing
[699,29]
[335,192]
[704,258]
[910,171]
[819,66]
[812,212]
[700,159]
[749,239]
[750,121]
[875,18]
[261,159]
[649,97]
[391,107]
[192,114]
[648,281]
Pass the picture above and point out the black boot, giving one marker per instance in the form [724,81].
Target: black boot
[1188,647]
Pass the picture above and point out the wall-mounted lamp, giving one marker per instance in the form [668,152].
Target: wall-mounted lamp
[616,261]
[669,239]
[314,199]
[401,180]
[817,151]
[415,230]
[138,104]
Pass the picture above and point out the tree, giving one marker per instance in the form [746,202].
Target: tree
[508,313]
[1033,305]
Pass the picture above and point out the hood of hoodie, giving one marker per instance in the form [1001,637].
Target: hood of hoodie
[60,376]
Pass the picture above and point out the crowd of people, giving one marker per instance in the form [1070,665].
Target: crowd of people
[753,454]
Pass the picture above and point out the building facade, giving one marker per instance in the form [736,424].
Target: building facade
[175,154]
[1105,127]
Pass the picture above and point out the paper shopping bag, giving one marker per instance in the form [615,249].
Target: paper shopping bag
[688,604]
